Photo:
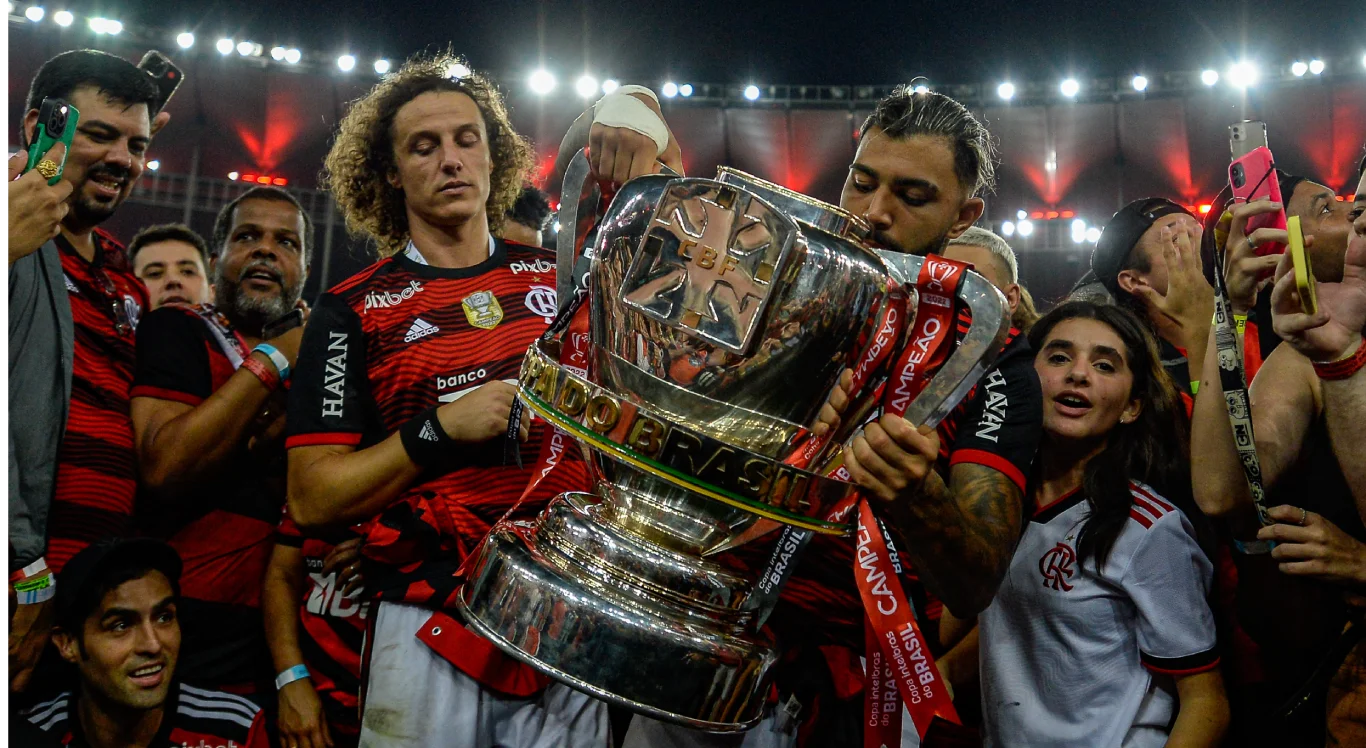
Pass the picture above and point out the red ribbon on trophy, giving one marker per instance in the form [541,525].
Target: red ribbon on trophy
[895,643]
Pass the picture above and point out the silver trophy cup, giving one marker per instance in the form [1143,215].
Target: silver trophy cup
[721,315]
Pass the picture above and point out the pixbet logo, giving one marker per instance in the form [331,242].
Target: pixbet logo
[386,299]
[539,266]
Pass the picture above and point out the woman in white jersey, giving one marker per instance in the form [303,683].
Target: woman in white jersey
[1101,634]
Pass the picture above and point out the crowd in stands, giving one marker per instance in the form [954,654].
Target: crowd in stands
[239,517]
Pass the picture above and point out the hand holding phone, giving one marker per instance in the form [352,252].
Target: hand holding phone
[1252,176]
[56,124]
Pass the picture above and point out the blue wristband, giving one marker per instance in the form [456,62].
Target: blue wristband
[298,672]
[277,358]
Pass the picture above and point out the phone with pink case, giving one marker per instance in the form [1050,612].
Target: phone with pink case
[1252,176]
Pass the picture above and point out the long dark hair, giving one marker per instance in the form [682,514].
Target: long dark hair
[1153,449]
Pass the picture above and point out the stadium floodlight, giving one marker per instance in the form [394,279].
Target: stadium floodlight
[277,54]
[610,85]
[1298,68]
[1020,215]
[224,46]
[1140,83]
[184,40]
[752,92]
[1209,77]
[1093,235]
[541,82]
[685,90]
[457,70]
[1363,61]
[1025,228]
[1006,91]
[34,13]
[232,175]
[586,86]
[920,88]
[153,165]
[1008,229]
[669,90]
[1316,67]
[1078,231]
[63,18]
[381,66]
[245,48]
[1243,75]
[101,25]
[293,55]
[1070,88]
[346,63]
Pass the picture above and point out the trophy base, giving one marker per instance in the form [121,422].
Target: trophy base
[613,632]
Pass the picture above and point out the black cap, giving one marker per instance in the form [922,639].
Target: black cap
[1122,233]
[87,569]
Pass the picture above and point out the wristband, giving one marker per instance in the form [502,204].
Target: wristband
[1343,367]
[621,109]
[269,378]
[32,570]
[286,677]
[424,440]
[37,590]
[277,358]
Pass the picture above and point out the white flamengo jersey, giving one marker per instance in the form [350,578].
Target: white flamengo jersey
[1070,657]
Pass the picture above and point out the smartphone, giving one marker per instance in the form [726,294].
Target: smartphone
[56,124]
[1304,269]
[1252,176]
[164,73]
[278,327]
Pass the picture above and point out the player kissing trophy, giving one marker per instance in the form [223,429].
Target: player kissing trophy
[710,321]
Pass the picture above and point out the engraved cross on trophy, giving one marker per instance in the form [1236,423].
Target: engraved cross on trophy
[721,313]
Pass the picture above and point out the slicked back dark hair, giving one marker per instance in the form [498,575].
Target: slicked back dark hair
[531,209]
[906,113]
[222,225]
[111,76]
[168,232]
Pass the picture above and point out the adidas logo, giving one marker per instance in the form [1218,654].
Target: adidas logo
[428,433]
[420,329]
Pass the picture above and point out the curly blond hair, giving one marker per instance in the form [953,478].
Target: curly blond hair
[363,152]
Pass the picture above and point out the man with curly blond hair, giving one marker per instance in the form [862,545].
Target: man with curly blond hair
[401,401]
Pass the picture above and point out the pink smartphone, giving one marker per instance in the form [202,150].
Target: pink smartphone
[1252,175]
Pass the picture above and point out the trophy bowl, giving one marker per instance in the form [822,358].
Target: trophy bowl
[720,315]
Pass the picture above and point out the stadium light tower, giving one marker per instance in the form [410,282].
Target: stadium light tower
[1006,90]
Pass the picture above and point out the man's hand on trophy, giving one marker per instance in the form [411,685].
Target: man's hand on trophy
[629,137]
[892,458]
[482,414]
[838,402]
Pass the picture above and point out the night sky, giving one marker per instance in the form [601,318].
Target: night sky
[789,42]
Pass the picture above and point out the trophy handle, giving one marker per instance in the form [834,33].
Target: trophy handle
[580,197]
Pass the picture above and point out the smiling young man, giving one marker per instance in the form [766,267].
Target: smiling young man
[74,304]
[208,410]
[117,624]
[401,405]
[172,261]
[955,493]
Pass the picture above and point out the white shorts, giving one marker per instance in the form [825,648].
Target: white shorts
[416,699]
[772,732]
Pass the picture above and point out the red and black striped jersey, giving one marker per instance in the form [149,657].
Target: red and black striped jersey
[401,337]
[331,629]
[997,425]
[193,717]
[222,527]
[96,464]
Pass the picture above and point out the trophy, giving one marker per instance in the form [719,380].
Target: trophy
[720,315]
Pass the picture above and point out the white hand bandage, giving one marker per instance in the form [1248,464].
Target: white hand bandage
[621,109]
